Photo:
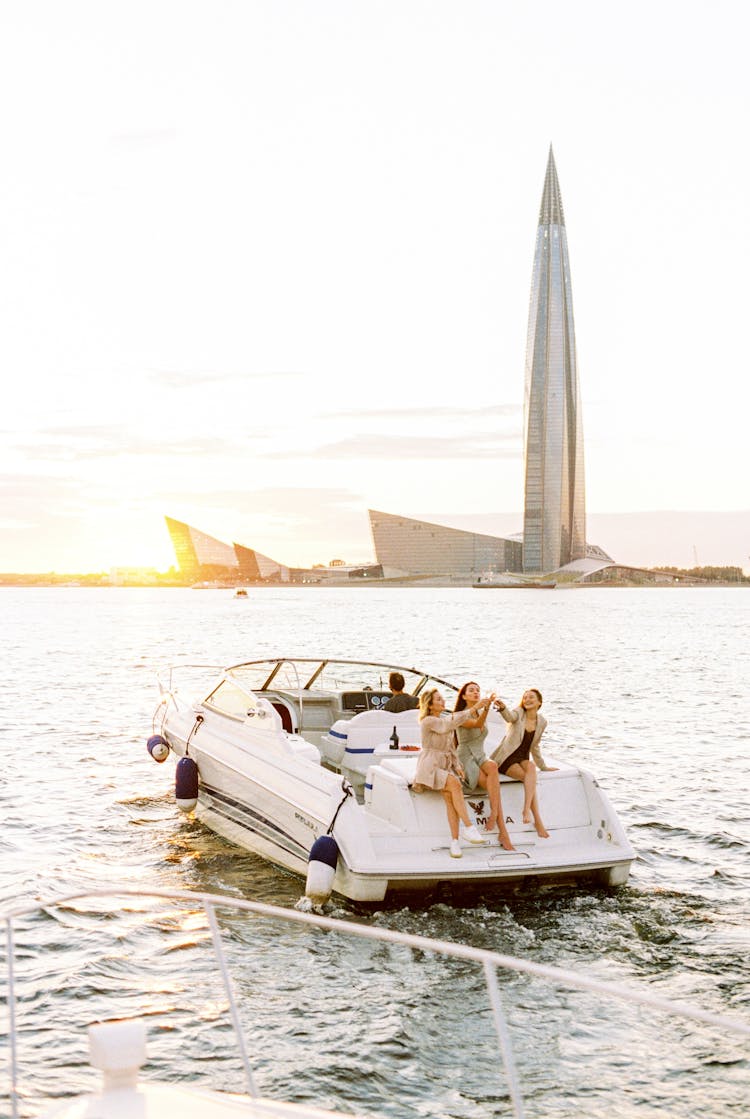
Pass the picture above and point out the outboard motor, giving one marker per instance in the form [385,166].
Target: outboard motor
[158,748]
[321,869]
[186,784]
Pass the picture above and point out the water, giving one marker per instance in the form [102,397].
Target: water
[647,688]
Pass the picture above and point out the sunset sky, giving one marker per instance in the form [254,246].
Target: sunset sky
[266,264]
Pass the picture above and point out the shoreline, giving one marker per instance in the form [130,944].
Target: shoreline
[103,582]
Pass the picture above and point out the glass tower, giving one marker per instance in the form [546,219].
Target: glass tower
[554,528]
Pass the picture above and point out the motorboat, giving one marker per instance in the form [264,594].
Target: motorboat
[508,582]
[133,933]
[281,754]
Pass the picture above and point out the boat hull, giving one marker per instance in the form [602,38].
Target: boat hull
[379,858]
[482,868]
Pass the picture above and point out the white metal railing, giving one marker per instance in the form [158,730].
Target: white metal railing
[489,960]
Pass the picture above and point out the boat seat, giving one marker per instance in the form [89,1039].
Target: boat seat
[405,768]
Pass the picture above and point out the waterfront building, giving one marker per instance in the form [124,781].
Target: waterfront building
[200,556]
[257,568]
[203,559]
[408,547]
[554,526]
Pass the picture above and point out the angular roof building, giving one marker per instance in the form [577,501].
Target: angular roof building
[257,568]
[200,555]
[554,527]
[405,546]
[204,559]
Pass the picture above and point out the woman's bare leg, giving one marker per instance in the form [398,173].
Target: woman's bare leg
[531,813]
[518,773]
[529,789]
[489,780]
[526,772]
[455,792]
[452,814]
[540,828]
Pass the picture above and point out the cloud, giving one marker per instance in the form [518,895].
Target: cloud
[417,412]
[144,137]
[31,499]
[302,503]
[487,445]
[181,378]
[79,443]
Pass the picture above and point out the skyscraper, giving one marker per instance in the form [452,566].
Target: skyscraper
[554,530]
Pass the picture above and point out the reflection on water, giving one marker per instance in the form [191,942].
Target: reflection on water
[644,687]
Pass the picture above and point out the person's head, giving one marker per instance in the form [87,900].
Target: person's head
[467,696]
[396,682]
[531,700]
[431,702]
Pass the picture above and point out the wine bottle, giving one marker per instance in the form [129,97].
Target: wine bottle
[394,740]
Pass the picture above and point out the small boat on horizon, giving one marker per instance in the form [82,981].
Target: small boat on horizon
[508,581]
[290,756]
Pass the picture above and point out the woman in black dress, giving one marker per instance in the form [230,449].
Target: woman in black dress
[518,755]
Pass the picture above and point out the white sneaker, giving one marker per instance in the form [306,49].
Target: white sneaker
[472,835]
[455,849]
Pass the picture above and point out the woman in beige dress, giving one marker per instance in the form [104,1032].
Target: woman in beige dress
[438,767]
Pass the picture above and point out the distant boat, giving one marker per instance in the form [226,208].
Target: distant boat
[240,593]
[513,582]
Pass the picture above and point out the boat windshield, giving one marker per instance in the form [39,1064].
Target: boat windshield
[331,676]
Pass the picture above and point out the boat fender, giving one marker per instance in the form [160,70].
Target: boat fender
[158,748]
[321,869]
[186,784]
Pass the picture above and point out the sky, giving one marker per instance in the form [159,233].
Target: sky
[265,265]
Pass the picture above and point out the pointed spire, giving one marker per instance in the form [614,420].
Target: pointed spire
[551,209]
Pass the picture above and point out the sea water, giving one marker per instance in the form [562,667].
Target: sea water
[647,688]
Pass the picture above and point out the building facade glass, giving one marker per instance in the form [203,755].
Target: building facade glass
[405,546]
[554,531]
[200,554]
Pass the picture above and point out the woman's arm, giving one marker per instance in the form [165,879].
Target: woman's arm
[508,713]
[444,724]
[482,713]
[536,754]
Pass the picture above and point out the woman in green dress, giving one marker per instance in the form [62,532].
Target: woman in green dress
[481,772]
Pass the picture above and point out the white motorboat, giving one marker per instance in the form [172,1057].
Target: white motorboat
[510,582]
[277,754]
[128,932]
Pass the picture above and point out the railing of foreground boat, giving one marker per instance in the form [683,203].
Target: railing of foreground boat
[489,960]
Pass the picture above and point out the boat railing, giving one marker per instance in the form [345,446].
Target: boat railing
[489,960]
[170,670]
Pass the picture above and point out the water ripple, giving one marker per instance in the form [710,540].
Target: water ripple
[632,681]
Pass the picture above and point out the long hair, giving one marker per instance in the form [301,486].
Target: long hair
[425,702]
[536,692]
[461,697]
